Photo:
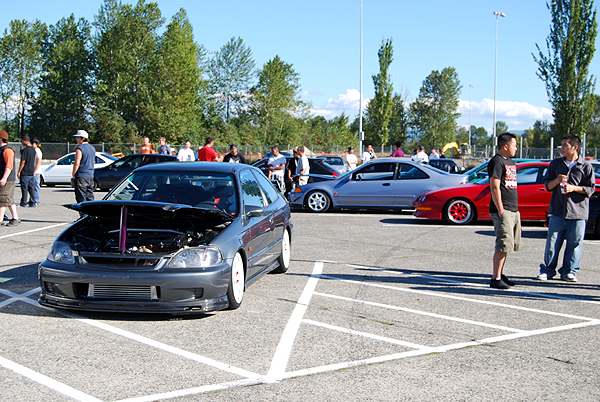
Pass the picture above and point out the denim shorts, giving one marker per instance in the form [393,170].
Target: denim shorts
[508,231]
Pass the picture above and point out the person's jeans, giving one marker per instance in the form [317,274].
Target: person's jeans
[27,188]
[36,188]
[559,230]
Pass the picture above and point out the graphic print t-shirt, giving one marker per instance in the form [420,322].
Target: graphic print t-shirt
[505,170]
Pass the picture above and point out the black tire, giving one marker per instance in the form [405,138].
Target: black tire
[96,186]
[459,211]
[286,252]
[318,201]
[597,227]
[235,291]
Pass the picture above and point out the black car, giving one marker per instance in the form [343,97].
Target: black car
[593,222]
[447,165]
[170,238]
[319,170]
[106,177]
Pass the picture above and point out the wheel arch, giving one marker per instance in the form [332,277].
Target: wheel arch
[329,197]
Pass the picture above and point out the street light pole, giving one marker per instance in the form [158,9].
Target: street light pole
[470,134]
[360,129]
[497,14]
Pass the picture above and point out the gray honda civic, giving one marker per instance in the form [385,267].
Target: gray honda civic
[173,238]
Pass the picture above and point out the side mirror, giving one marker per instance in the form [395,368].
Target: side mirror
[252,211]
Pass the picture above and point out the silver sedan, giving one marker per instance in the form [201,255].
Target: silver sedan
[385,183]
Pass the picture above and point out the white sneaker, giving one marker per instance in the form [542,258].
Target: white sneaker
[569,278]
[542,277]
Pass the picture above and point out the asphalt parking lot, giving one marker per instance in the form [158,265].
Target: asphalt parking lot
[380,307]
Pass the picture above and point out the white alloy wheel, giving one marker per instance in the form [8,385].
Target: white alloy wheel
[286,254]
[318,201]
[235,293]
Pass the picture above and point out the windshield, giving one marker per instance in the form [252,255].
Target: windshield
[198,189]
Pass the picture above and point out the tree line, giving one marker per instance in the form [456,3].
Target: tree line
[120,80]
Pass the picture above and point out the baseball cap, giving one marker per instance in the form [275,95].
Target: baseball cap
[296,149]
[81,133]
[4,135]
[349,148]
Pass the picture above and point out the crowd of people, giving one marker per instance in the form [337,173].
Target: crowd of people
[570,178]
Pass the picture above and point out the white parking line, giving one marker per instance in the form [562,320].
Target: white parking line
[34,230]
[367,335]
[284,348]
[419,312]
[46,381]
[468,299]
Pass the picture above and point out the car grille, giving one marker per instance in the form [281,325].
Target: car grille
[121,262]
[123,292]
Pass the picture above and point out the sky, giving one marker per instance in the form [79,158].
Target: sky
[321,39]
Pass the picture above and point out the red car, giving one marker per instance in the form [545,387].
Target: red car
[466,202]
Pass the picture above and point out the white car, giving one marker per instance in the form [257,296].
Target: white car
[60,172]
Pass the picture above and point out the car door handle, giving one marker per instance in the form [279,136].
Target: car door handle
[385,184]
[541,189]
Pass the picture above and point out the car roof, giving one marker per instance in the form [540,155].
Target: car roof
[219,167]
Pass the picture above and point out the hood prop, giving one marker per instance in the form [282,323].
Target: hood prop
[123,230]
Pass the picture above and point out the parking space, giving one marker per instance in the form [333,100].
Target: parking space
[370,299]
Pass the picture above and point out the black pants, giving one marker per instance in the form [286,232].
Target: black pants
[84,189]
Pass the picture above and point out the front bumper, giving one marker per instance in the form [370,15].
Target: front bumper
[153,290]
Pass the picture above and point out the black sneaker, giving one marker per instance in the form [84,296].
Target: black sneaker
[507,281]
[498,284]
[14,222]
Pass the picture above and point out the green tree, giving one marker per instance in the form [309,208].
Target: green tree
[275,101]
[501,127]
[479,137]
[125,46]
[434,112]
[379,109]
[231,73]
[65,88]
[399,121]
[176,79]
[539,135]
[593,131]
[20,70]
[565,69]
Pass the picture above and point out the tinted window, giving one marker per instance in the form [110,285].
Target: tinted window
[376,171]
[130,162]
[67,160]
[411,172]
[251,192]
[269,191]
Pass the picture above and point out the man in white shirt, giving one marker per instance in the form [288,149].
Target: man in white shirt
[303,167]
[421,155]
[276,165]
[186,154]
[38,169]
[368,154]
[351,159]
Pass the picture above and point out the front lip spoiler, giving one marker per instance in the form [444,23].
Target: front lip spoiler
[191,307]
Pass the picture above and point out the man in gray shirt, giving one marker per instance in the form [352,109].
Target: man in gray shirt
[571,180]
[303,168]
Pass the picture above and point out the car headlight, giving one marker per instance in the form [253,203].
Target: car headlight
[61,252]
[196,257]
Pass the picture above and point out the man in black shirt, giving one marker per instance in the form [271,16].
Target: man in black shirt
[234,156]
[504,207]
[26,173]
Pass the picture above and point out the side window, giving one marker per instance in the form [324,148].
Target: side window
[411,172]
[376,171]
[99,160]
[528,175]
[69,160]
[267,187]
[251,192]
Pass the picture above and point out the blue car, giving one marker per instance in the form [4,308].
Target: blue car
[383,183]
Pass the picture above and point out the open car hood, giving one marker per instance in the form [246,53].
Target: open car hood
[105,208]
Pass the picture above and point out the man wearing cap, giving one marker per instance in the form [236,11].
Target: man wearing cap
[234,156]
[277,164]
[351,159]
[83,169]
[7,181]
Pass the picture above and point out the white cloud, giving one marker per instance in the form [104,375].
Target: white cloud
[518,115]
[348,103]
